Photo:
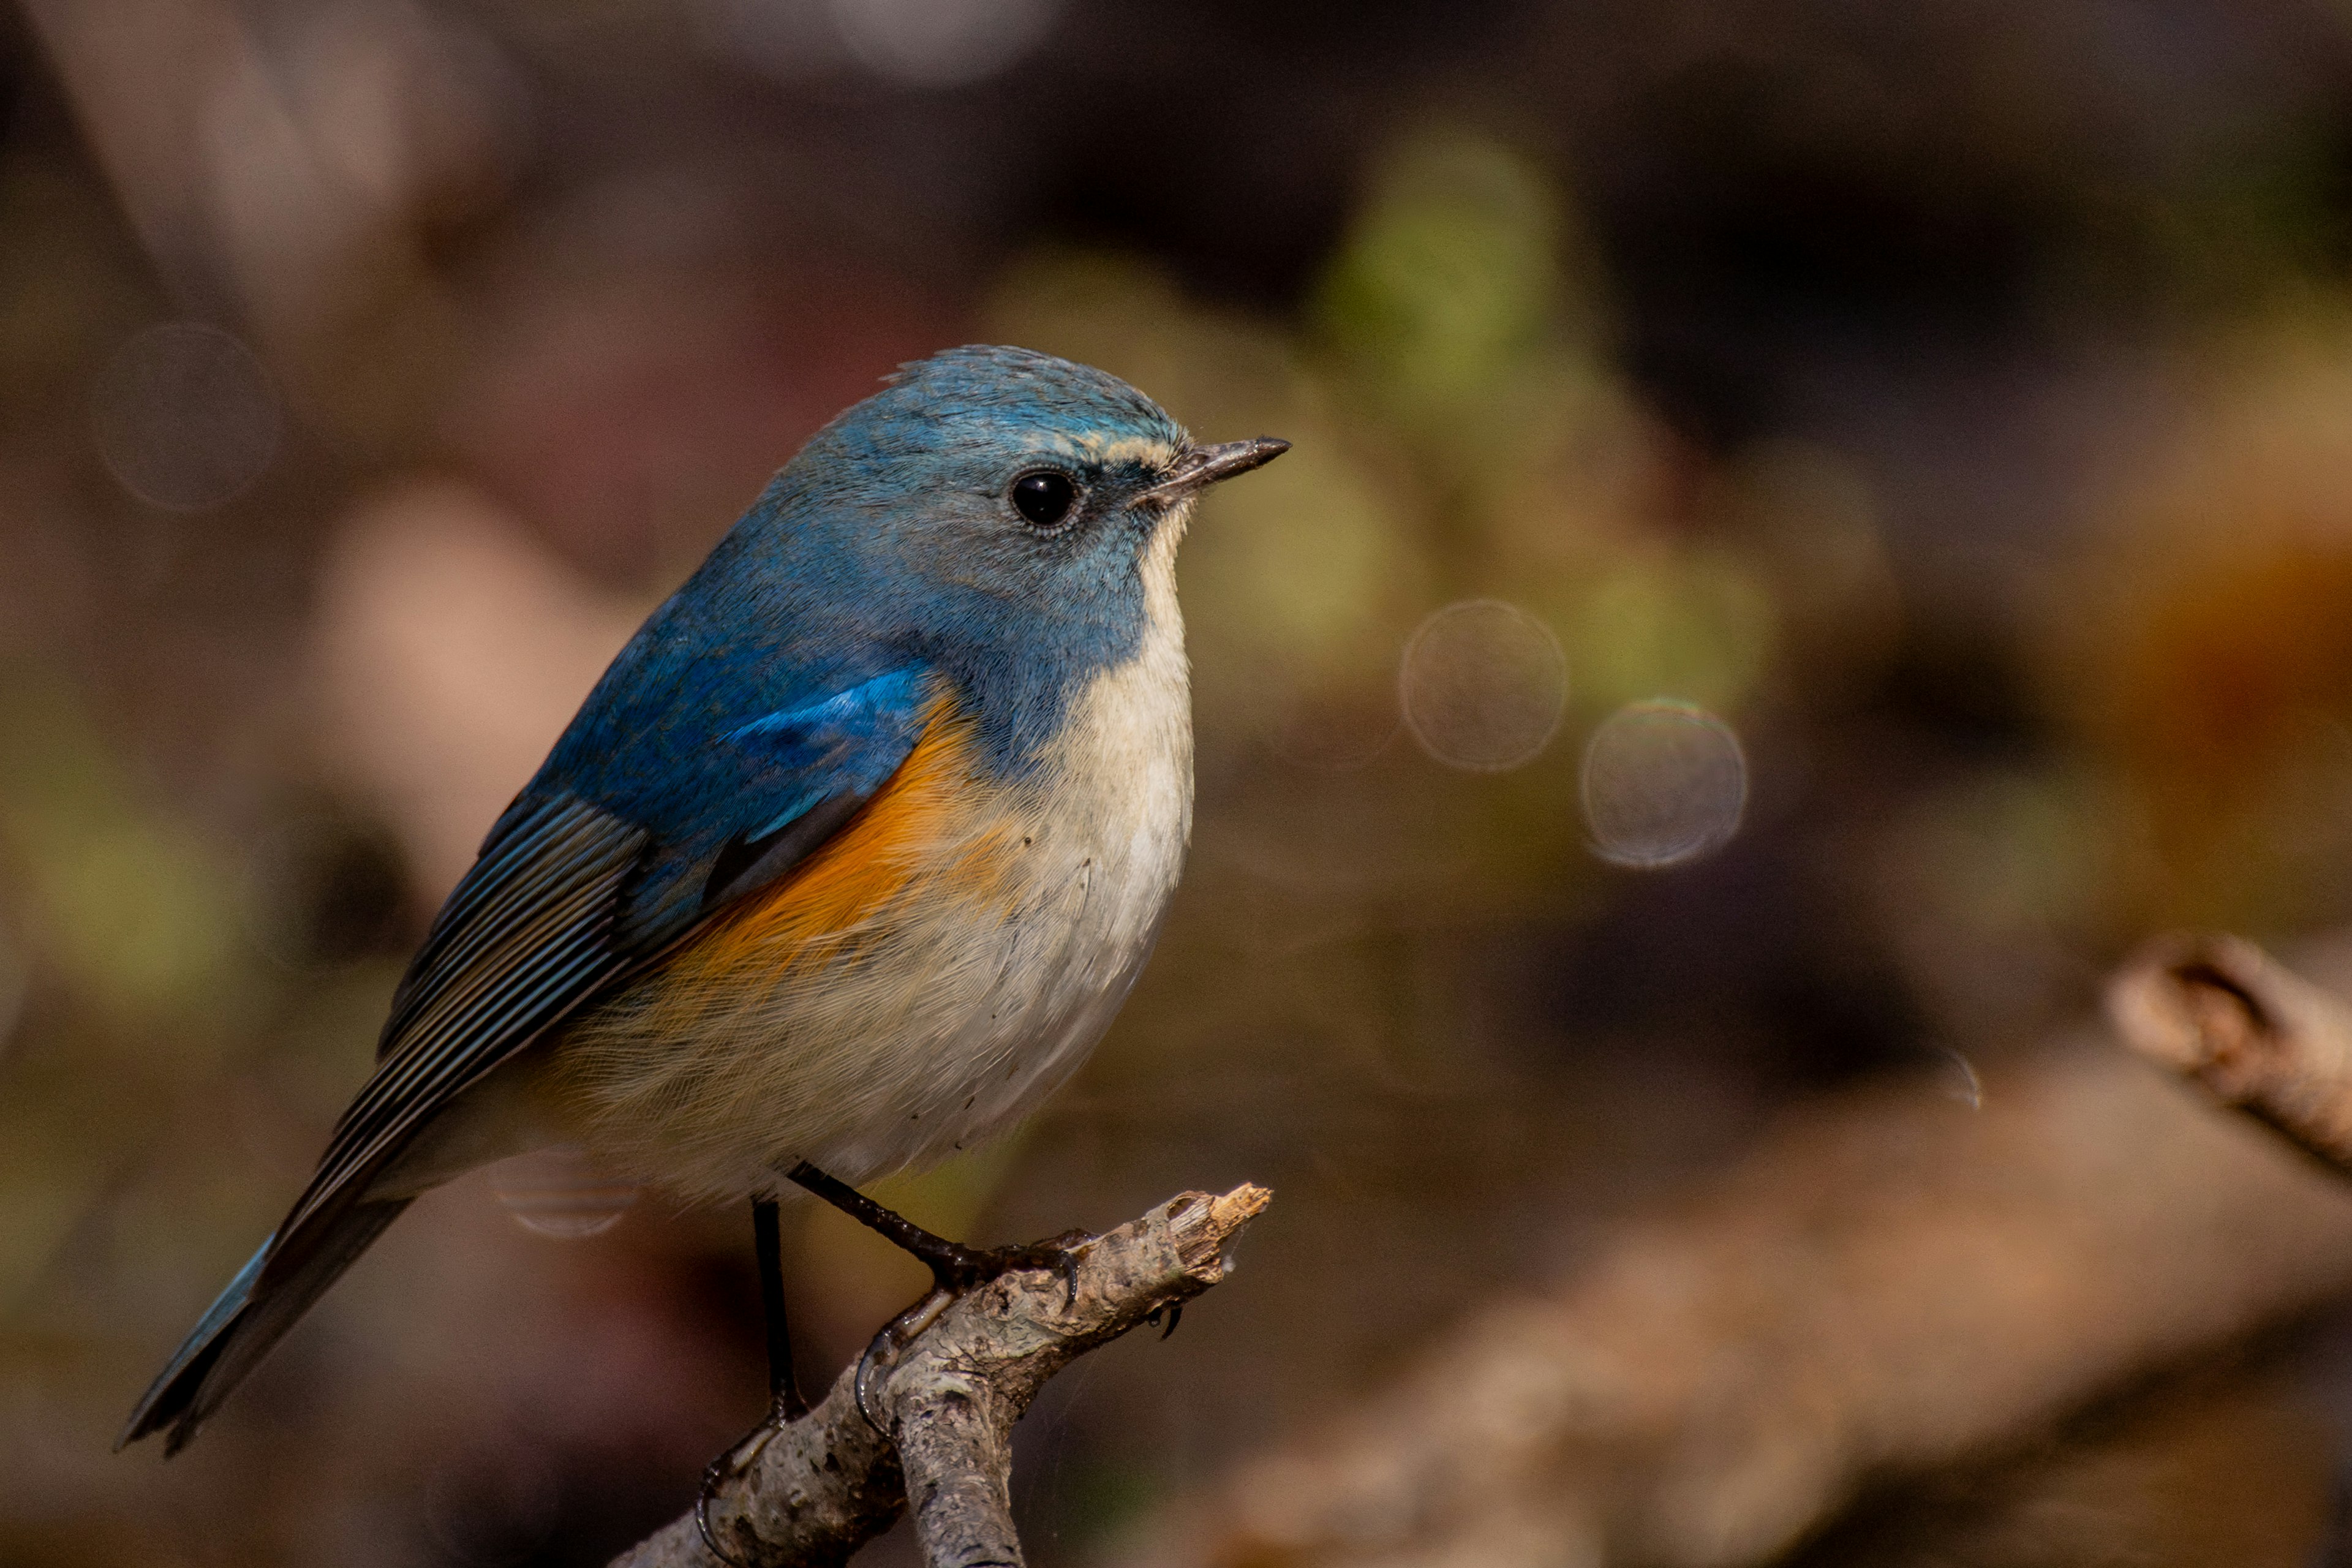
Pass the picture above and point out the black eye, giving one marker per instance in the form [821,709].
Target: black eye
[1045,496]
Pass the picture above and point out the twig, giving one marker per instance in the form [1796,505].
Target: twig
[2255,1036]
[817,1492]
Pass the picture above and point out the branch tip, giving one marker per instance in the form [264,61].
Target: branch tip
[829,1482]
[2247,1030]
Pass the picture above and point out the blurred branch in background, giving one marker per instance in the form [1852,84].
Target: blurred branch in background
[1888,1283]
[817,1490]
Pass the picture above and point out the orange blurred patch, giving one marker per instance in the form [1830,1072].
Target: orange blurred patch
[2213,675]
[2207,644]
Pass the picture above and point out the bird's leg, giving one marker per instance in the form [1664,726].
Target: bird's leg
[955,1268]
[785,1405]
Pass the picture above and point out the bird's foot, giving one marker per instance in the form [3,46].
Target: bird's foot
[957,1268]
[737,1458]
[956,1271]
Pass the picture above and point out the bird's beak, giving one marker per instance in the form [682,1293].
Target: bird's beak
[1202,466]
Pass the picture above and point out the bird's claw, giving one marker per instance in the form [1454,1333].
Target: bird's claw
[882,1353]
[958,1268]
[714,1475]
[1060,1255]
[731,1462]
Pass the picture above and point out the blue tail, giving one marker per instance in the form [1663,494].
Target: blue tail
[249,1317]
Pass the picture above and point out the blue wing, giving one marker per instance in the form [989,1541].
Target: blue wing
[571,892]
[641,825]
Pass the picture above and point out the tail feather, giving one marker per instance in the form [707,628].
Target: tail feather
[249,1317]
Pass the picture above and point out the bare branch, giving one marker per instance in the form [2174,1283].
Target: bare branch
[2255,1036]
[814,1493]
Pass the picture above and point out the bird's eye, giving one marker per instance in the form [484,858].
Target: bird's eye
[1045,496]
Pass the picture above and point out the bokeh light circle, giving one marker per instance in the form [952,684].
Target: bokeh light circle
[1483,685]
[186,416]
[943,43]
[1664,783]
[560,1192]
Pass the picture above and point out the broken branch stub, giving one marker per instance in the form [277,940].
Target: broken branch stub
[2253,1034]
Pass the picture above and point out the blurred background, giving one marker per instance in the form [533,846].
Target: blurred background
[1815,529]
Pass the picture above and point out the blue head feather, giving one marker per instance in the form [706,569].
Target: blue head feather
[893,524]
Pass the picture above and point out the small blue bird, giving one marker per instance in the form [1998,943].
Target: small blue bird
[846,861]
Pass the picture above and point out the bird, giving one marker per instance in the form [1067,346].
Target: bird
[846,861]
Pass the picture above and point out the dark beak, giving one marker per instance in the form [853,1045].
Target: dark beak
[1203,466]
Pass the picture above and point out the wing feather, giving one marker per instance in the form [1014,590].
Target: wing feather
[503,886]
[542,903]
[570,894]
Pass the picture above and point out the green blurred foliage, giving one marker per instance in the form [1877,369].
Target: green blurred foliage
[135,912]
[1452,307]
[126,915]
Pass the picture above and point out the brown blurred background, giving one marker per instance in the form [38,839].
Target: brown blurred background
[1815,526]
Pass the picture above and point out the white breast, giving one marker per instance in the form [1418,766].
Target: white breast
[1109,816]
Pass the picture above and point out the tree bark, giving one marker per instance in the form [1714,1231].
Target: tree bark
[813,1493]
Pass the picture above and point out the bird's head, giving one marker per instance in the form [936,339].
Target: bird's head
[998,507]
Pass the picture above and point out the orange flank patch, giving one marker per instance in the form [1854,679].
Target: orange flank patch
[914,837]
